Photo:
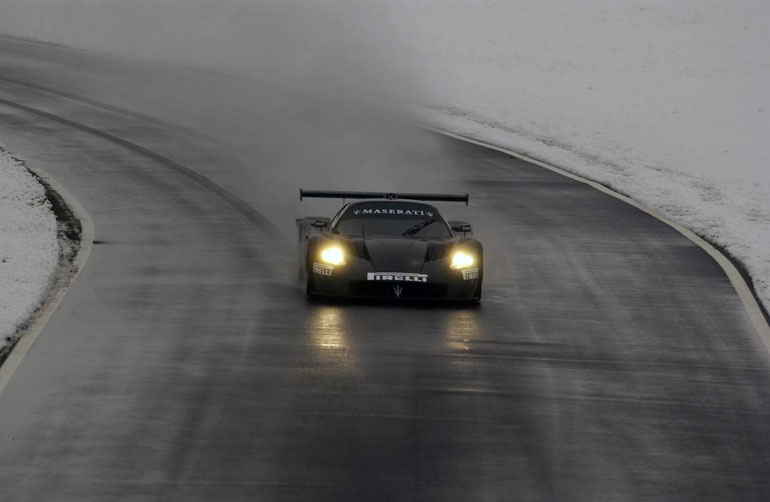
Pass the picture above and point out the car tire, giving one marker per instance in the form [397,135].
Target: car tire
[309,288]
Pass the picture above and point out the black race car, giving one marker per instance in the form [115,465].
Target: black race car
[390,246]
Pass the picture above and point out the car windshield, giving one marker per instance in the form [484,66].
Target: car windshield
[394,219]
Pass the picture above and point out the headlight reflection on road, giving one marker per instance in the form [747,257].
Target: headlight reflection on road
[462,329]
[329,335]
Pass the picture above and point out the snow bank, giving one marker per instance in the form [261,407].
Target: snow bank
[667,101]
[28,246]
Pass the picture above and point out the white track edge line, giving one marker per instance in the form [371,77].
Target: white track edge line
[41,318]
[736,279]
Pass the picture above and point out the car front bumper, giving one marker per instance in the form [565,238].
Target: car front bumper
[355,284]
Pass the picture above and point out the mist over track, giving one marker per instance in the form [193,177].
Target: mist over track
[610,359]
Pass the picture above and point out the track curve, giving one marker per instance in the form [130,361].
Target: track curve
[239,205]
[611,358]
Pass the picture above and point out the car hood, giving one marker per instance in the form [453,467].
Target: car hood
[398,254]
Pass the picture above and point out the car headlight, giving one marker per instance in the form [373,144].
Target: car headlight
[462,259]
[333,255]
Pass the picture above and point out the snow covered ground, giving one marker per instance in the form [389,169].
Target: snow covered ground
[29,250]
[667,101]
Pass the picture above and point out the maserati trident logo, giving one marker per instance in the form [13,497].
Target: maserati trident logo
[398,290]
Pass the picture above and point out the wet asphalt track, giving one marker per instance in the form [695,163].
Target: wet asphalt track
[609,360]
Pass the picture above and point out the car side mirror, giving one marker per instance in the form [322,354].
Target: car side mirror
[320,223]
[461,226]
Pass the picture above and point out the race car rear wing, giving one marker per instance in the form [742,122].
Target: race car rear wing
[443,197]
